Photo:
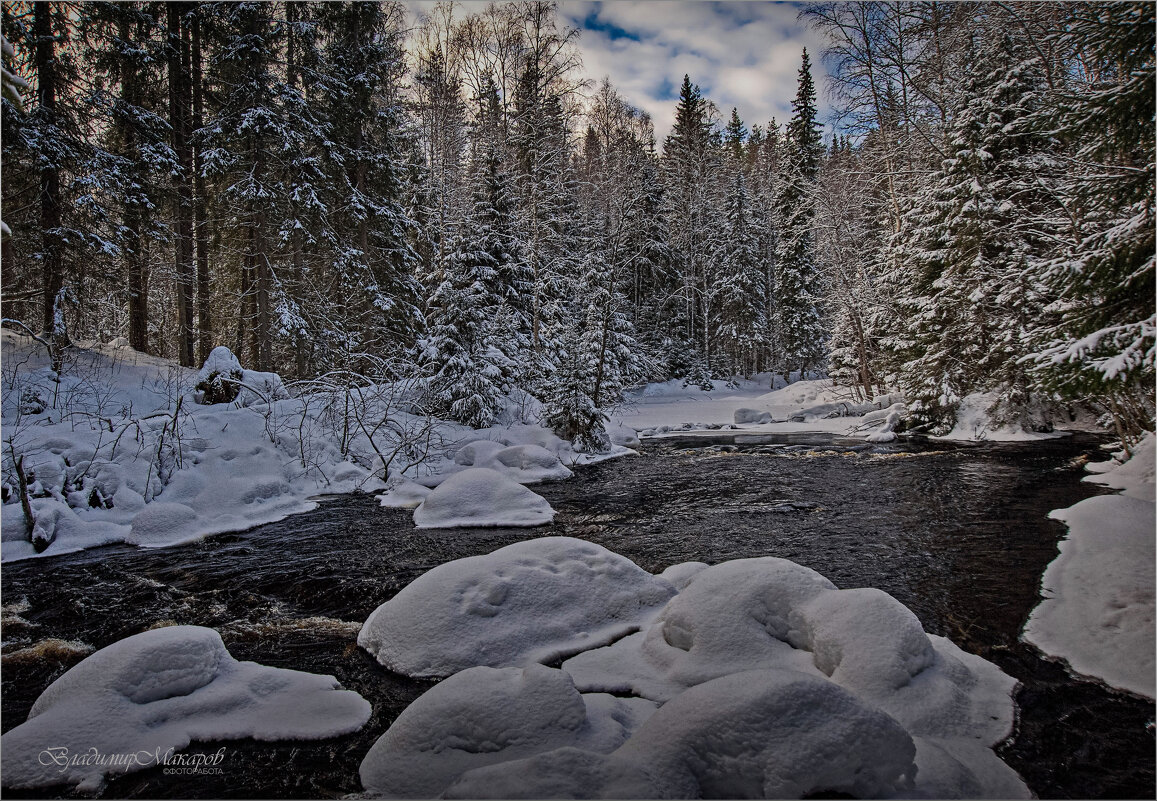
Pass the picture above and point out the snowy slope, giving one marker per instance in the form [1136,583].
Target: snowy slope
[1098,607]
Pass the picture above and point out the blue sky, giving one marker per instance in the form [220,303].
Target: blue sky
[742,54]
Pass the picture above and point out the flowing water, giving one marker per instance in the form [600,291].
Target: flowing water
[958,534]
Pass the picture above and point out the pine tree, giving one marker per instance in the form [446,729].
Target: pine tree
[797,290]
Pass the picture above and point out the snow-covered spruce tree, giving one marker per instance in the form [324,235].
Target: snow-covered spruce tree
[1099,336]
[689,165]
[797,290]
[241,142]
[738,299]
[459,349]
[363,62]
[598,358]
[473,329]
[966,297]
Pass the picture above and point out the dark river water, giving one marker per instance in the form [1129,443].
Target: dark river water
[958,534]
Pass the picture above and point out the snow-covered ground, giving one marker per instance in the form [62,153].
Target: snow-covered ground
[1098,607]
[808,406]
[119,449]
[144,697]
[755,678]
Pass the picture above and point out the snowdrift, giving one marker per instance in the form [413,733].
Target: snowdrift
[755,678]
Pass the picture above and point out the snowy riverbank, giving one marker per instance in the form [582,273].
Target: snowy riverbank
[1098,607]
[807,406]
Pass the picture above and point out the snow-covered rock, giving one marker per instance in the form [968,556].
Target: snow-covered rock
[530,464]
[161,690]
[515,712]
[526,463]
[745,415]
[529,602]
[406,495]
[769,682]
[479,496]
[760,734]
[1098,609]
[478,453]
[163,524]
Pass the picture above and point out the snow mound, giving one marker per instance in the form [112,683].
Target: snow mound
[515,712]
[530,464]
[974,421]
[221,379]
[1098,610]
[887,431]
[761,734]
[163,524]
[479,496]
[526,463]
[161,690]
[768,613]
[528,602]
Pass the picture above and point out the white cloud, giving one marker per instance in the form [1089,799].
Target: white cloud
[742,54]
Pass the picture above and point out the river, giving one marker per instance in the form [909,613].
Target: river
[958,534]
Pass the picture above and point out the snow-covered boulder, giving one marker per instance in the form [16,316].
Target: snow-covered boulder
[483,716]
[406,495]
[479,496]
[769,681]
[219,377]
[530,464]
[751,416]
[760,734]
[768,613]
[478,453]
[623,435]
[161,690]
[528,602]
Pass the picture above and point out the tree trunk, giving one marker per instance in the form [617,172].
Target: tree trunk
[179,120]
[52,267]
[204,317]
[136,268]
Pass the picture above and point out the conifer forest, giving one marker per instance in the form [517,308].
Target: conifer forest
[332,186]
[578,399]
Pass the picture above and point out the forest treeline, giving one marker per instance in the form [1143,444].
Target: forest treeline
[322,187]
